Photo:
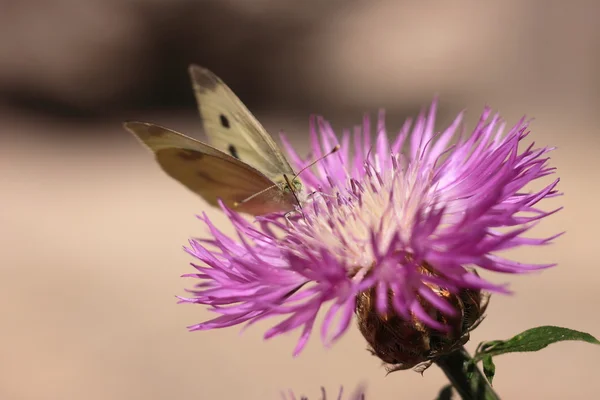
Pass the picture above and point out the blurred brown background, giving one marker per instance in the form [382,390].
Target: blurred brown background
[91,229]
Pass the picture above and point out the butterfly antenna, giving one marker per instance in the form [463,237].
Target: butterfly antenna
[288,181]
[237,204]
[332,151]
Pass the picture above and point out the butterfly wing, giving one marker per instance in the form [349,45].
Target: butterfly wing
[231,128]
[211,173]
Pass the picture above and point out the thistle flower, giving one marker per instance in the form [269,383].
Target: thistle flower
[394,235]
[358,394]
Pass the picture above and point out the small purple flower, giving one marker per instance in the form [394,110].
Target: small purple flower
[358,394]
[405,221]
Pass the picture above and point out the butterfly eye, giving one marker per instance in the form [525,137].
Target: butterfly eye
[297,185]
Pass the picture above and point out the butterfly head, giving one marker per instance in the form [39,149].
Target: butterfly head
[293,186]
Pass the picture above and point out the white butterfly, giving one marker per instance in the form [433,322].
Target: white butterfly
[242,166]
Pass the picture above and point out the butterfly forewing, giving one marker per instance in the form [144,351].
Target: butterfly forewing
[231,128]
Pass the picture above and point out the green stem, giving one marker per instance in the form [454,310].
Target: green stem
[466,378]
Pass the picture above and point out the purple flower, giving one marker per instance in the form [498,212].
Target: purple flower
[358,394]
[404,220]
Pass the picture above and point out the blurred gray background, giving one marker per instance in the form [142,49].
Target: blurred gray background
[91,230]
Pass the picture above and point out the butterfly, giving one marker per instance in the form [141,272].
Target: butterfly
[242,165]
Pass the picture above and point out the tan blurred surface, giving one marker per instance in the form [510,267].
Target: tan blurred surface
[92,234]
[91,230]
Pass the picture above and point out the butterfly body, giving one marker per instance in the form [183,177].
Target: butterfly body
[241,165]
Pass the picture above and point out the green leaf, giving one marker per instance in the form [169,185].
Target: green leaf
[489,368]
[445,393]
[531,340]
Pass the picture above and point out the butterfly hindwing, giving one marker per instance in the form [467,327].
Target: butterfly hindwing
[209,172]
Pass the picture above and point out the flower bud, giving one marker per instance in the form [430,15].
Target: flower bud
[406,343]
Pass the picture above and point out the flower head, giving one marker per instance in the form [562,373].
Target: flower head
[358,394]
[406,224]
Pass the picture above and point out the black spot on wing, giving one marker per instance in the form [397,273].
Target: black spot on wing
[233,151]
[224,121]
